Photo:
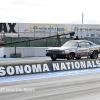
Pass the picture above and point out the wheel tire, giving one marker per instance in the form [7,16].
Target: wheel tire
[94,55]
[78,58]
[53,58]
[70,56]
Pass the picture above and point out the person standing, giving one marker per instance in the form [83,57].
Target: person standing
[76,38]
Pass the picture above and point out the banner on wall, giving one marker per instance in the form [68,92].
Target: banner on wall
[22,69]
[62,28]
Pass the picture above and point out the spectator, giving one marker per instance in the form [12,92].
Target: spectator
[76,38]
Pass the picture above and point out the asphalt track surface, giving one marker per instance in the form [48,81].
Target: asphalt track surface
[69,87]
[33,60]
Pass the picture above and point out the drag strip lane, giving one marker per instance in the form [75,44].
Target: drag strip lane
[33,60]
[54,88]
[23,60]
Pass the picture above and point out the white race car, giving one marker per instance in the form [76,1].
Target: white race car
[74,49]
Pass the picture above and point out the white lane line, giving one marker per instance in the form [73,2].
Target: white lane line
[26,60]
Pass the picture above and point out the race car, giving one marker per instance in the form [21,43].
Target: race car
[74,49]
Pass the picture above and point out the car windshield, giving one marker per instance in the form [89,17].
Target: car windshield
[70,44]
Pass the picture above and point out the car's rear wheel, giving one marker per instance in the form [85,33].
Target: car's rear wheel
[53,58]
[94,55]
[71,56]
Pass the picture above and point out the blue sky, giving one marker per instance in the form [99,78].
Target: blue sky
[50,11]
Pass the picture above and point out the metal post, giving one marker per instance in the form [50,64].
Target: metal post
[44,31]
[50,31]
[34,32]
[82,17]
[15,50]
[4,36]
[81,33]
[11,41]
[58,38]
[57,30]
[18,32]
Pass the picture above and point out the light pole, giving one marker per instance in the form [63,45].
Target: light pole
[82,17]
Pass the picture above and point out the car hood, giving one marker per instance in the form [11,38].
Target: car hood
[61,48]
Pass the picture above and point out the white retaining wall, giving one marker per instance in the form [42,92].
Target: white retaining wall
[1,52]
[25,51]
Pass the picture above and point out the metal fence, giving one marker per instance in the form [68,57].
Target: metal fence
[48,42]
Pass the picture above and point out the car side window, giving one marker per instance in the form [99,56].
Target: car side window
[82,44]
[88,44]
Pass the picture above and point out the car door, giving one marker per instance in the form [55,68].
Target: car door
[83,49]
[89,47]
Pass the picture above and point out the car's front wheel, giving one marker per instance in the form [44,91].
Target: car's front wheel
[53,58]
[94,55]
[78,58]
[70,56]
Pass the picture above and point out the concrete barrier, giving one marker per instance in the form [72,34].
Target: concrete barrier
[24,51]
[44,67]
[2,52]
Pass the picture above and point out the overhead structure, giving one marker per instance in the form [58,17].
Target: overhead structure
[58,36]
